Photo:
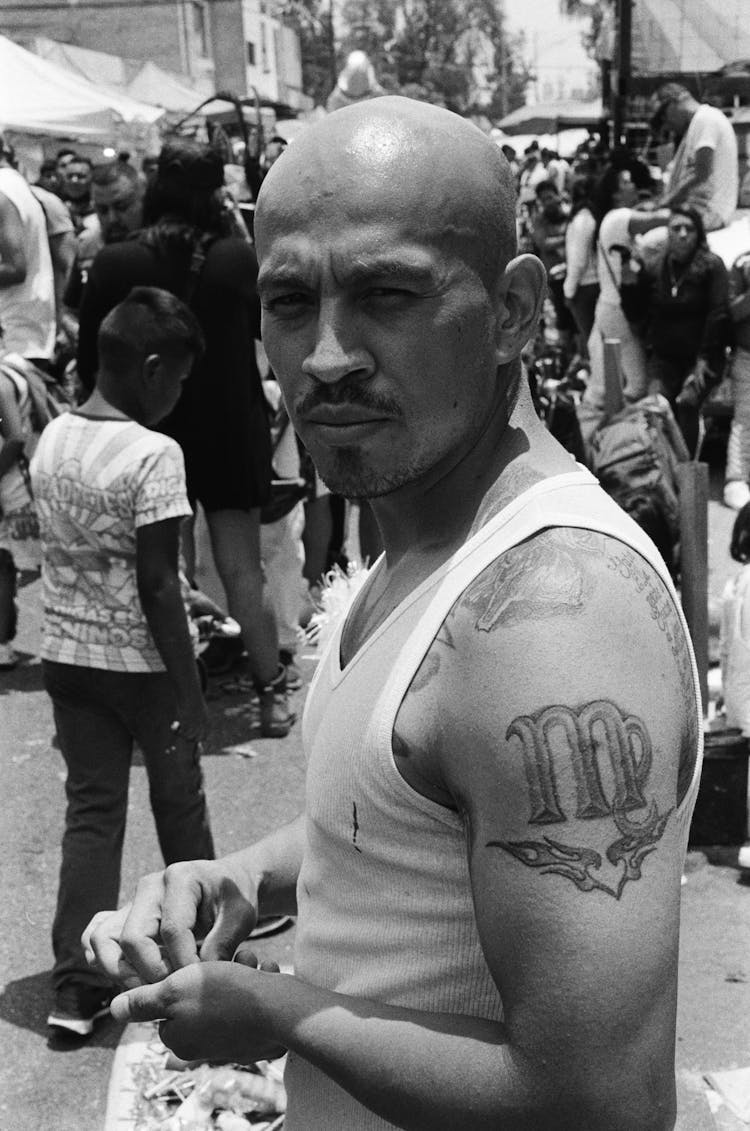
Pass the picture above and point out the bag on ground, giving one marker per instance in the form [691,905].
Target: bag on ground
[637,451]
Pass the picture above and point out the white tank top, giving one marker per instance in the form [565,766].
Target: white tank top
[384,898]
[27,310]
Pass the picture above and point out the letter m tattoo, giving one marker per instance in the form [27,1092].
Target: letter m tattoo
[623,737]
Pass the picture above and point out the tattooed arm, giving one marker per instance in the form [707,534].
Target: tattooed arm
[570,675]
[573,863]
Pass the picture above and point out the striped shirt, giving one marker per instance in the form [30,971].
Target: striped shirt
[95,482]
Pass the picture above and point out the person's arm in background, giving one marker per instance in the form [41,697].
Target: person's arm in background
[703,167]
[579,238]
[160,592]
[62,249]
[578,765]
[717,330]
[11,426]
[739,292]
[12,252]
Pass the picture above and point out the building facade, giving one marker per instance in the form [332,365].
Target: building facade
[240,46]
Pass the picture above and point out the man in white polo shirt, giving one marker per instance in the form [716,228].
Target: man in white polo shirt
[27,290]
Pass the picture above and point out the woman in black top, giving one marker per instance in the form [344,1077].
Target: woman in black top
[687,320]
[220,421]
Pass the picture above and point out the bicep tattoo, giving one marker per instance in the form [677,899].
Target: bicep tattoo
[589,746]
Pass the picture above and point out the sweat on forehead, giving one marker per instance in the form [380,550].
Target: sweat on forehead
[416,163]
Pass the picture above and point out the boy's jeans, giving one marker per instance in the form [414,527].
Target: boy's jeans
[98,715]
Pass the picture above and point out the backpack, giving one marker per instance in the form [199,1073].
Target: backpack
[48,399]
[637,451]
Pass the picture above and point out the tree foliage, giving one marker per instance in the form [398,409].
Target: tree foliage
[456,53]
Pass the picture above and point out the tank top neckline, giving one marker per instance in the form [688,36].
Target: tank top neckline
[581,476]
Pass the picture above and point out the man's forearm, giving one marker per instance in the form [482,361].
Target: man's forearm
[425,1070]
[273,865]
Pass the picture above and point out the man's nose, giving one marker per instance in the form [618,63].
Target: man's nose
[337,352]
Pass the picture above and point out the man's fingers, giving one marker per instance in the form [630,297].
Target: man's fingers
[163,912]
[235,919]
[144,1003]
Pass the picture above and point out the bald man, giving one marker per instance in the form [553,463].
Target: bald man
[503,736]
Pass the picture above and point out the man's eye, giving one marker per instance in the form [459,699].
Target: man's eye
[388,293]
[286,302]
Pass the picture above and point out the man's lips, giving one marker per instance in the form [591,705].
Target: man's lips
[343,416]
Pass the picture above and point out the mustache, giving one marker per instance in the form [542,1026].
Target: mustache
[325,396]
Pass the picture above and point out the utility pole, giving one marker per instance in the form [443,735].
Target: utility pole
[621,86]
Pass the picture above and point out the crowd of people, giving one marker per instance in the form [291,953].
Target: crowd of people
[628,258]
[487,870]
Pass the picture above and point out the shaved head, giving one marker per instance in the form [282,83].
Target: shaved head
[417,163]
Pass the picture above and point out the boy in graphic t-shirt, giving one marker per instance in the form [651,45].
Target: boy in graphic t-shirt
[117,654]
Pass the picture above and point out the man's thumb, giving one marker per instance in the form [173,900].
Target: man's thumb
[144,1003]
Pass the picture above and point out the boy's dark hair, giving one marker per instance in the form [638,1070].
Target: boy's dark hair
[148,321]
[739,547]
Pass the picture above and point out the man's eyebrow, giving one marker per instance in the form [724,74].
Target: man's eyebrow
[284,276]
[386,267]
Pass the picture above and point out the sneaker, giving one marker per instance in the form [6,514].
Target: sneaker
[736,494]
[275,717]
[8,658]
[293,674]
[77,1008]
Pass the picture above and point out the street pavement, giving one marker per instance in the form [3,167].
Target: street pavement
[254,785]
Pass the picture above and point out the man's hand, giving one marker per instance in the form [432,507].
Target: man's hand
[208,1011]
[695,386]
[160,931]
[192,719]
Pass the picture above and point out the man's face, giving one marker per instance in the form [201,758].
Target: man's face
[77,180]
[626,193]
[677,116]
[381,333]
[118,207]
[682,237]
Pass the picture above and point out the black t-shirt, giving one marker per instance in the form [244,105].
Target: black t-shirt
[220,421]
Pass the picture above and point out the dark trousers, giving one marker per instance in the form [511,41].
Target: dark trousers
[583,308]
[666,375]
[99,715]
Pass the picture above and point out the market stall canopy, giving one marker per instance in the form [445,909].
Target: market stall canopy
[145,82]
[684,36]
[39,97]
[552,117]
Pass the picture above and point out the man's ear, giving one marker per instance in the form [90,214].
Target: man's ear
[520,296]
[151,367]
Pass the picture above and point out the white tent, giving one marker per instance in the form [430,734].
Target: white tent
[38,97]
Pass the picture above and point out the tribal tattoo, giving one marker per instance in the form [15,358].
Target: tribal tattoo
[590,732]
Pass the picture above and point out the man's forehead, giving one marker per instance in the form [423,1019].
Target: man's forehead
[366,252]
[121,189]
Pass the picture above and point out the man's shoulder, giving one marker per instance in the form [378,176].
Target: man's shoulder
[711,118]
